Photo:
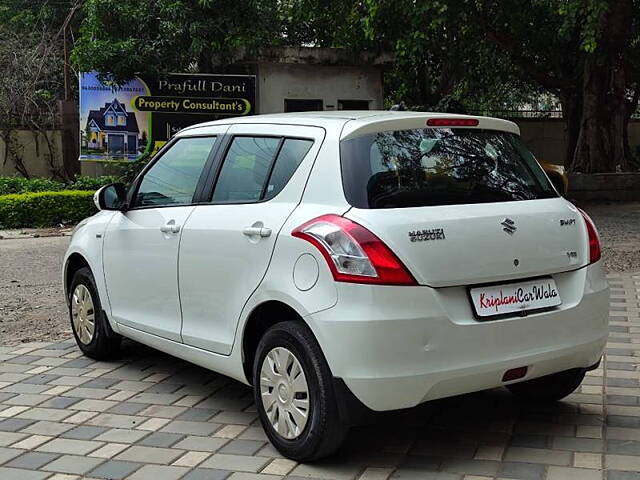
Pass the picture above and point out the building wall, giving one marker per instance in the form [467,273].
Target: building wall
[547,137]
[41,152]
[280,81]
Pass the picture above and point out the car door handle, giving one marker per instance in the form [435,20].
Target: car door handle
[257,231]
[170,227]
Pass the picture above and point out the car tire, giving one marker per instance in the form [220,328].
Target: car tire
[89,323]
[279,393]
[549,388]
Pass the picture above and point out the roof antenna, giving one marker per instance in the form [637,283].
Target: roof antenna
[399,107]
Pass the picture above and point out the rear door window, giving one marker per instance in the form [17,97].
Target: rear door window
[439,166]
[258,168]
[291,155]
[245,169]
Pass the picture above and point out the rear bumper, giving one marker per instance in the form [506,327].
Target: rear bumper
[353,412]
[395,347]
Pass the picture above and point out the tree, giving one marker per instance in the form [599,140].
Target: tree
[483,53]
[437,64]
[21,16]
[31,79]
[611,89]
[30,62]
[583,51]
[457,55]
[120,38]
[535,43]
[441,63]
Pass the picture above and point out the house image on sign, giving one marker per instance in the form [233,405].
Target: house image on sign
[112,129]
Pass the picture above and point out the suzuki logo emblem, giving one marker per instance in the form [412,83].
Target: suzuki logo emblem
[509,226]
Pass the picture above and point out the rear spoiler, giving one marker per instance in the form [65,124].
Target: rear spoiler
[412,120]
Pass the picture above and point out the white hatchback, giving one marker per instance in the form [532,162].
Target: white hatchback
[343,262]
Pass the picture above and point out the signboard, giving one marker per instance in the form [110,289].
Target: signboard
[142,115]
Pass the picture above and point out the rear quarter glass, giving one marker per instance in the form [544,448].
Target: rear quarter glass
[439,166]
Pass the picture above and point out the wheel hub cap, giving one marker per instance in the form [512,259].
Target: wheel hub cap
[284,393]
[83,314]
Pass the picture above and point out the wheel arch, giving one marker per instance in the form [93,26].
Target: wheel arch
[74,262]
[262,317]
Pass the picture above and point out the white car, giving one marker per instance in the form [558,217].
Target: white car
[343,262]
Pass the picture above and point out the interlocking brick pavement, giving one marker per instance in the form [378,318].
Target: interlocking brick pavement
[150,416]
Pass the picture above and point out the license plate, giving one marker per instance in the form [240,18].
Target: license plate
[515,297]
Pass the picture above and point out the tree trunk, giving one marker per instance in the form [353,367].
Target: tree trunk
[601,143]
[632,105]
[572,112]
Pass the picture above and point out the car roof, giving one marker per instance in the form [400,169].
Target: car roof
[359,122]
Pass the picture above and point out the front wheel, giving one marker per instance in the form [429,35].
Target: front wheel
[88,321]
[293,389]
[549,388]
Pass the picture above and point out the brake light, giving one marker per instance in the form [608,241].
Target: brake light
[452,122]
[595,252]
[353,253]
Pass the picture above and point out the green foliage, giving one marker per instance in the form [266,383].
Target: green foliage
[478,53]
[325,23]
[122,37]
[9,185]
[129,170]
[442,60]
[91,183]
[581,17]
[45,209]
[450,55]
[23,15]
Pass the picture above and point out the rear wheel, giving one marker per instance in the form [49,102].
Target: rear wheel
[293,389]
[549,388]
[89,324]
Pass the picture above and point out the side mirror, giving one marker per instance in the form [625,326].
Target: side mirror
[111,197]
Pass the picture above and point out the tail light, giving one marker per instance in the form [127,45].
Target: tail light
[353,253]
[595,251]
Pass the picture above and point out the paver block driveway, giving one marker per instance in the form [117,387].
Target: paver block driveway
[151,416]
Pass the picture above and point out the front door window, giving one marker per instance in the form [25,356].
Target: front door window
[172,180]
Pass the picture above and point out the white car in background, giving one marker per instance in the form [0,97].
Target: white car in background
[343,262]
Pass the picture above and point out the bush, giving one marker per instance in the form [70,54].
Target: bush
[45,209]
[91,183]
[10,185]
[22,185]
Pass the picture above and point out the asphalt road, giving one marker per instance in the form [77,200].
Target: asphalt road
[32,307]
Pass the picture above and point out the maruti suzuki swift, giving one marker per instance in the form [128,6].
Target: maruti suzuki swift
[345,262]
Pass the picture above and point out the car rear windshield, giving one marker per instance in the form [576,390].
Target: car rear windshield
[439,166]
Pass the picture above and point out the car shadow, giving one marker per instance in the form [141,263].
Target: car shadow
[452,435]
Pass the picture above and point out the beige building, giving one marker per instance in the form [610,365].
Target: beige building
[309,79]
